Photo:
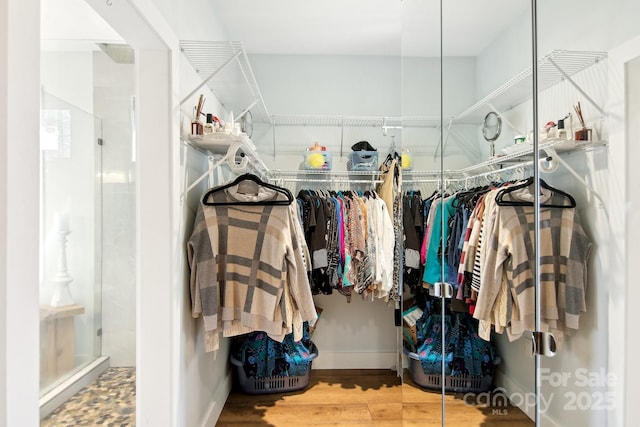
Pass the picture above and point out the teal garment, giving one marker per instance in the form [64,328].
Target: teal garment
[433,264]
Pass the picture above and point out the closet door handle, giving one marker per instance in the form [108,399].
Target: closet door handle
[543,344]
[443,289]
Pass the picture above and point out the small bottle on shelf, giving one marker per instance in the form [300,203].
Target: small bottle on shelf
[209,127]
[562,132]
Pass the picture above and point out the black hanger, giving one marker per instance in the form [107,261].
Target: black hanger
[470,197]
[526,183]
[249,177]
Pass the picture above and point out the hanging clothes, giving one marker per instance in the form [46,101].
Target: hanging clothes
[316,214]
[413,232]
[506,293]
[358,237]
[486,245]
[389,191]
[442,211]
[248,266]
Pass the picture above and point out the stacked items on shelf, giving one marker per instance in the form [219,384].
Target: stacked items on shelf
[317,157]
[363,158]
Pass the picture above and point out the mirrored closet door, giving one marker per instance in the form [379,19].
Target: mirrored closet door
[581,143]
[453,131]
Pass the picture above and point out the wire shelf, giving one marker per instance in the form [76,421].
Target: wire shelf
[552,69]
[560,145]
[233,81]
[356,121]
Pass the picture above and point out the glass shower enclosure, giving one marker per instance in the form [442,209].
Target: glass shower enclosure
[71,240]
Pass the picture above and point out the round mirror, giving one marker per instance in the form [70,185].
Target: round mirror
[491,130]
[492,126]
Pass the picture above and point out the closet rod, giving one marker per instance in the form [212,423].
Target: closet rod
[497,172]
[418,180]
[325,173]
[325,180]
[454,176]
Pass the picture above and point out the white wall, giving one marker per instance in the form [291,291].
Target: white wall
[329,86]
[632,411]
[609,24]
[205,377]
[362,86]
[350,86]
[19,308]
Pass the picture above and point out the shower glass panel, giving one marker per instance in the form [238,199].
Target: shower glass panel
[70,230]
[87,199]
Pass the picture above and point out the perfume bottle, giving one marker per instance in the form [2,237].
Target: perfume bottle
[562,132]
[209,127]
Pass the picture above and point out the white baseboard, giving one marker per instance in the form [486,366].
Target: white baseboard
[354,360]
[217,403]
[50,401]
[503,380]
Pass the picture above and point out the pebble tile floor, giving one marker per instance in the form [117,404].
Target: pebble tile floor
[109,401]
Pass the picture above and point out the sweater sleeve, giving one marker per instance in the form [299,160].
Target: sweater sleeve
[491,268]
[387,247]
[572,298]
[297,278]
[203,280]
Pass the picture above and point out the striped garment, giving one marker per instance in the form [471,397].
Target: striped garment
[248,270]
[506,297]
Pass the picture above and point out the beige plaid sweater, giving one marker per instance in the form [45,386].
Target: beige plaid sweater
[248,268]
[506,298]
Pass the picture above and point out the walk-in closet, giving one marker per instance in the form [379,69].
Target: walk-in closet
[493,133]
[381,212]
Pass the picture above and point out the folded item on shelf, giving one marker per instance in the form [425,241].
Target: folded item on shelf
[362,146]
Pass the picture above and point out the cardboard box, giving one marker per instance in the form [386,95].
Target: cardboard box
[410,317]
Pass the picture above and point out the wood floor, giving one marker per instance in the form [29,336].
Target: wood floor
[363,398]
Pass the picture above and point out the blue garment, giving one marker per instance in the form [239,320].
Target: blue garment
[436,254]
[455,243]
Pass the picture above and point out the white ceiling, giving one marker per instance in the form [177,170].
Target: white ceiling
[366,27]
[73,25]
[327,27]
